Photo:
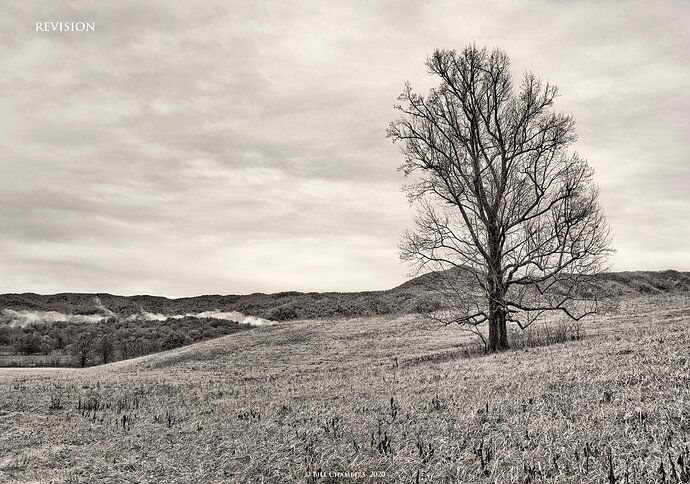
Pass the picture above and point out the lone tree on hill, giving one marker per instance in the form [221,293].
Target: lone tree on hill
[500,197]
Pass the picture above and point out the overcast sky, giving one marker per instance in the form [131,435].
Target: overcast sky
[183,149]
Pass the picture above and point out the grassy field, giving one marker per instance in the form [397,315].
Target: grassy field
[383,399]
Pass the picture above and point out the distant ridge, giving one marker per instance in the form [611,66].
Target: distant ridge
[625,282]
[297,305]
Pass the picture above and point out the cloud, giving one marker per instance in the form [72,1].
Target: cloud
[188,148]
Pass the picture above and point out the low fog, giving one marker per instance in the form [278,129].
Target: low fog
[28,316]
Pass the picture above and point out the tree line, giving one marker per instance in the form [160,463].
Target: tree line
[112,339]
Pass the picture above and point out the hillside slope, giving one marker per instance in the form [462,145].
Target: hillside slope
[296,305]
[388,397]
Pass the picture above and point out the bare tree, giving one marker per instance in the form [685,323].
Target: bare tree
[500,196]
[104,349]
[81,349]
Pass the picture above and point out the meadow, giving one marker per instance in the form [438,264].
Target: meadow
[387,398]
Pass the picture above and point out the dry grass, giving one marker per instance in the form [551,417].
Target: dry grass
[301,401]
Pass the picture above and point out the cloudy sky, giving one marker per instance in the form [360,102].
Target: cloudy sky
[183,149]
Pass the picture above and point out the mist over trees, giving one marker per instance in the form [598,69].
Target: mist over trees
[500,196]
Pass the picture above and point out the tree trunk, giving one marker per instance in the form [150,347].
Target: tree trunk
[496,292]
[498,331]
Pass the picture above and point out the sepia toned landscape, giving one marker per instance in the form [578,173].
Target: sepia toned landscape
[390,396]
[369,394]
[438,242]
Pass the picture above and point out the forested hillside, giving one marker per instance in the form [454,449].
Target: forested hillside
[86,329]
[298,305]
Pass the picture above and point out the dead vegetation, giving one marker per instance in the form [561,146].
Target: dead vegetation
[604,402]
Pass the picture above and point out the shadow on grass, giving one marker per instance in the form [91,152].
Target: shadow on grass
[536,335]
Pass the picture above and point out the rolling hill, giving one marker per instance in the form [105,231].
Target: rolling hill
[292,305]
[387,398]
